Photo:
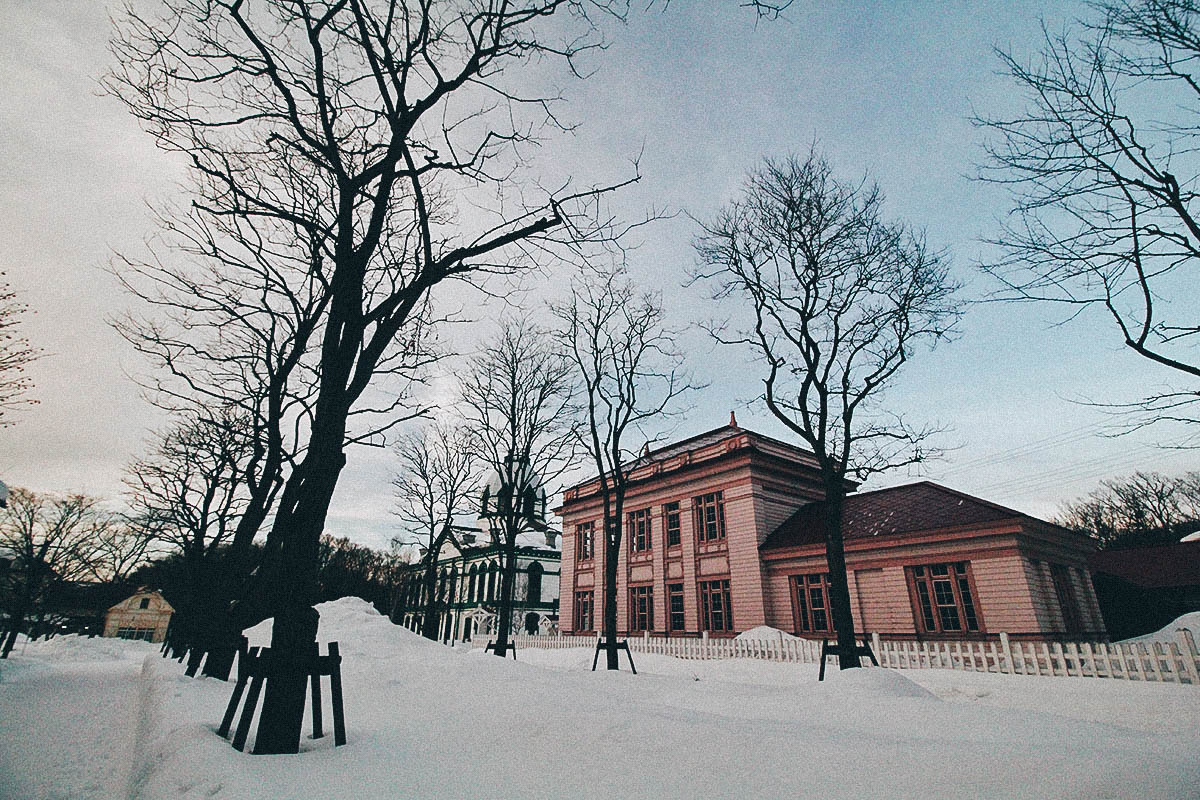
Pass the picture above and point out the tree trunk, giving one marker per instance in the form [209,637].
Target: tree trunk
[16,621]
[839,589]
[507,579]
[429,620]
[292,588]
[10,638]
[612,552]
[610,604]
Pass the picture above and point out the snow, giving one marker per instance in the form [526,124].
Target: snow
[765,633]
[430,721]
[1169,633]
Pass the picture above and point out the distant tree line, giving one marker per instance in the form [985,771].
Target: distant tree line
[1145,509]
[51,543]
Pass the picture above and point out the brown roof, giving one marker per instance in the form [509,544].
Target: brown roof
[901,509]
[1152,567]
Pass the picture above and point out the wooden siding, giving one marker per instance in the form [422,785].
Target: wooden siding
[1005,602]
[1009,558]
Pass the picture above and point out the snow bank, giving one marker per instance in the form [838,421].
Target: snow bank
[870,682]
[364,636]
[426,721]
[765,633]
[1168,632]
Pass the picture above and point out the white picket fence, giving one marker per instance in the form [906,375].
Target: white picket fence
[1176,661]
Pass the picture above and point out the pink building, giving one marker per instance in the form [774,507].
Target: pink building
[722,534]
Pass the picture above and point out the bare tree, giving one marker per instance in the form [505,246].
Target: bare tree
[16,354]
[517,404]
[437,475]
[1100,163]
[51,540]
[189,491]
[122,543]
[340,137]
[631,375]
[1142,509]
[839,298]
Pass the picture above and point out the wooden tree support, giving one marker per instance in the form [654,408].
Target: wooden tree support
[509,647]
[620,646]
[256,665]
[828,649]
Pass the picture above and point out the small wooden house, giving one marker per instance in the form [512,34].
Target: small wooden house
[144,615]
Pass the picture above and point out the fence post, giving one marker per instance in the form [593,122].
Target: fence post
[876,649]
[704,644]
[1187,646]
[1008,659]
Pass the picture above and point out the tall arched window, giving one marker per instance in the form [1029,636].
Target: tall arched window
[535,583]
[451,596]
[492,581]
[471,585]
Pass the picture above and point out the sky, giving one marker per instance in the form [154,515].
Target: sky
[699,92]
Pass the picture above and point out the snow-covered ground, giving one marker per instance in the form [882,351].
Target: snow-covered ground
[104,719]
[1169,633]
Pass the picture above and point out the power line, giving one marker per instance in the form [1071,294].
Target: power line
[1029,448]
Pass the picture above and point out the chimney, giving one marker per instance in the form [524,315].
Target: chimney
[732,420]
[551,538]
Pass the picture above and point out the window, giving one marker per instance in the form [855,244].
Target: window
[534,594]
[641,608]
[143,634]
[638,528]
[710,517]
[715,611]
[585,541]
[675,606]
[471,585]
[943,596]
[810,596]
[671,523]
[145,603]
[584,619]
[1067,602]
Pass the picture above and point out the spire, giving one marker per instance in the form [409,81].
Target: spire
[732,420]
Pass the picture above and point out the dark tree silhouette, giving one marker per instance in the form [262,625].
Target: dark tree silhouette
[1101,166]
[436,481]
[630,375]
[16,354]
[517,404]
[839,298]
[190,493]
[1143,509]
[52,541]
[345,147]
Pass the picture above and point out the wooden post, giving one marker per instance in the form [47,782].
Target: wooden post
[243,728]
[1008,659]
[335,689]
[1187,646]
[245,659]
[315,682]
